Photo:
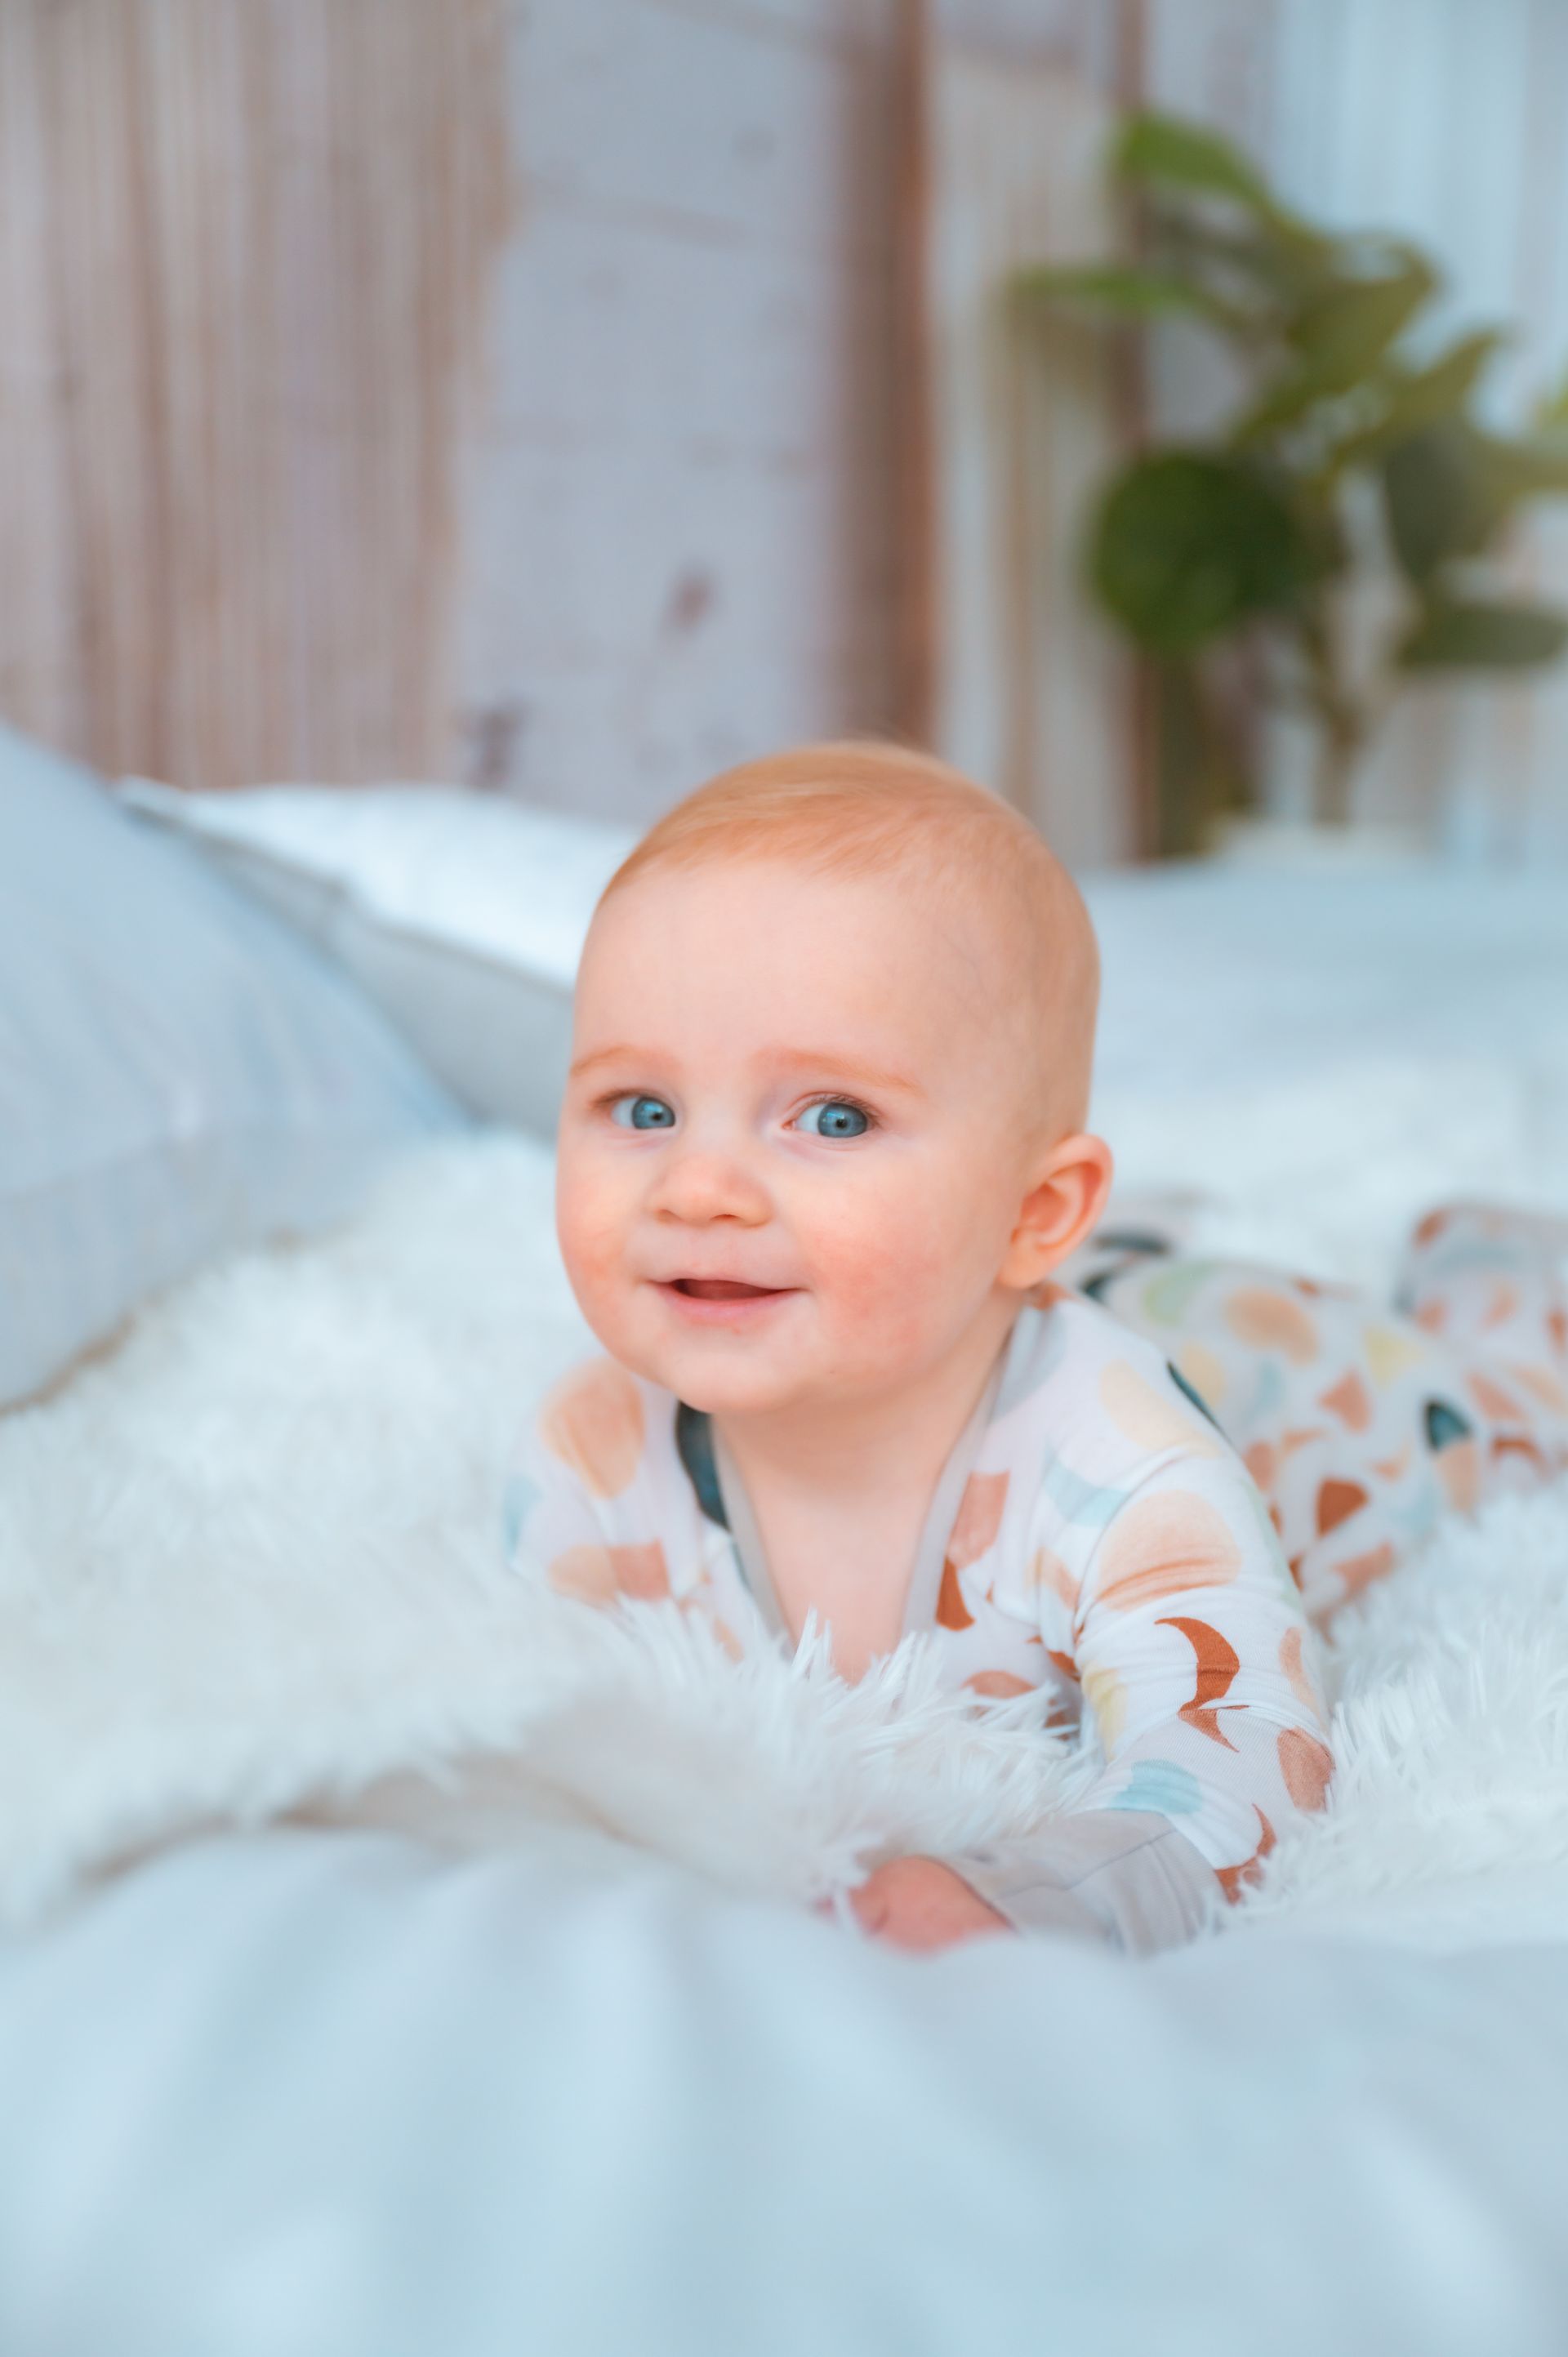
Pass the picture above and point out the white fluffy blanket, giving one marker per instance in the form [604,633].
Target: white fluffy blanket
[248,1565]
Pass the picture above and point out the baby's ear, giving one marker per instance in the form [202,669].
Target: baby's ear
[1062,1207]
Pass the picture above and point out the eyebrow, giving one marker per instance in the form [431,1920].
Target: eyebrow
[853,1068]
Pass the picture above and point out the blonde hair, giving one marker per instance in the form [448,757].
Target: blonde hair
[860,807]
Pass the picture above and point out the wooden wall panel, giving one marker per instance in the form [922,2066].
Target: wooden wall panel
[242,270]
[679,511]
[684,514]
[1029,689]
[491,388]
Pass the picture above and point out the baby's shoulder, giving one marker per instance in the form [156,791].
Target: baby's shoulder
[1082,1390]
[602,1424]
[598,1495]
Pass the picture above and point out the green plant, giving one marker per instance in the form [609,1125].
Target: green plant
[1252,537]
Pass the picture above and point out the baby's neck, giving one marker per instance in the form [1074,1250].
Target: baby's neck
[843,1453]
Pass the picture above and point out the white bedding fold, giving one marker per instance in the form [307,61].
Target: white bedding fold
[323,2094]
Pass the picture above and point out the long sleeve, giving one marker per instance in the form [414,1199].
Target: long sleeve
[1192,1650]
[599,1503]
[573,1507]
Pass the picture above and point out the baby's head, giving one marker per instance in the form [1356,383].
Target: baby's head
[832,1038]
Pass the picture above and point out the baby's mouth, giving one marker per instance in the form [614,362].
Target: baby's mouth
[722,1288]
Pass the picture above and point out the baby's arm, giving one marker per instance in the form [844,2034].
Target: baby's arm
[920,1902]
[1189,1642]
[549,1522]
[1130,1882]
[572,1509]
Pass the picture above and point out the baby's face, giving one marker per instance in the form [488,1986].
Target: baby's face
[801,1086]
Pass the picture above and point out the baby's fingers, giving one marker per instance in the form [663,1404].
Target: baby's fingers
[868,1902]
[893,1902]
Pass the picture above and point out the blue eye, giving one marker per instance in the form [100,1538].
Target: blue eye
[647,1112]
[837,1113]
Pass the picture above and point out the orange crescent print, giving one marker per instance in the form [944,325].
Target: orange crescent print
[1306,1765]
[1234,1879]
[953,1612]
[979,1518]
[1218,1662]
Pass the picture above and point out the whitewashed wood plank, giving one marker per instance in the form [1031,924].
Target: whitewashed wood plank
[1033,694]
[696,119]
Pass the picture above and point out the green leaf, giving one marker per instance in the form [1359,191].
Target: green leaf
[1251,268]
[1267,271]
[1188,545]
[1414,398]
[1134,294]
[1447,382]
[1341,333]
[1449,488]
[1439,496]
[1350,323]
[1284,404]
[1551,410]
[1525,468]
[1173,153]
[1473,635]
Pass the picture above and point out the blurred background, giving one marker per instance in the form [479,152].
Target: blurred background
[567,399]
[435,435]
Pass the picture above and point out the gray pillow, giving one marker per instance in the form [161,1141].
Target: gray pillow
[180,1074]
[462,914]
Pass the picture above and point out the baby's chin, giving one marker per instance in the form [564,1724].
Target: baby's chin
[724,1384]
[722,1372]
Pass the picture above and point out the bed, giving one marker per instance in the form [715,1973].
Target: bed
[350,2089]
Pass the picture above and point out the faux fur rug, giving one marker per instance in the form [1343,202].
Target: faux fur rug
[248,1565]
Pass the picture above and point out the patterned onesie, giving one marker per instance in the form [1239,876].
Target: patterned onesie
[1142,1533]
[1363,1426]
[1092,1533]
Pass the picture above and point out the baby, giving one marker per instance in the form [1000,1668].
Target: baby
[822,1169]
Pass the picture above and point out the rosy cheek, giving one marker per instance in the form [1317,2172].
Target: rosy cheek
[591,1221]
[591,1261]
[878,1259]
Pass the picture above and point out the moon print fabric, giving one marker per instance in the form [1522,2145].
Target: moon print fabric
[1180,1466]
[1364,1424]
[1107,1544]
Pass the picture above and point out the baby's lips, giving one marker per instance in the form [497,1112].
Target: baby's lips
[722,1288]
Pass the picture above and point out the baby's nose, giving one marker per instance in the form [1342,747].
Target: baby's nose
[706,1183]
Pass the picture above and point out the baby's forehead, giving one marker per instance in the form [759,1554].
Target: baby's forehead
[932,889]
[943,961]
[965,898]
[956,934]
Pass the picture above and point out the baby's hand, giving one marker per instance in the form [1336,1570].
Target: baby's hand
[918,1902]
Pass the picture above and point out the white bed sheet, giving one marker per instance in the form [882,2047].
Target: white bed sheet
[1326,1057]
[322,2095]
[329,2094]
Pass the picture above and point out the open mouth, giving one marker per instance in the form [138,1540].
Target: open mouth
[722,1288]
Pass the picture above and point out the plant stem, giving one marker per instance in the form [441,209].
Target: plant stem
[1203,767]
[1343,722]
[1337,757]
